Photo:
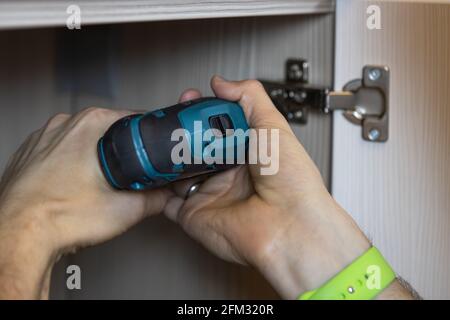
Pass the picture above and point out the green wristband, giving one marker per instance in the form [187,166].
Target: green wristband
[363,279]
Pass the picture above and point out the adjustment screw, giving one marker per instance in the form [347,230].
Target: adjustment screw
[298,114]
[374,134]
[275,93]
[374,74]
[300,97]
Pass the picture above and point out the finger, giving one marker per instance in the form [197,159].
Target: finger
[138,205]
[173,208]
[30,144]
[56,121]
[54,126]
[156,200]
[190,94]
[261,113]
[210,188]
[258,108]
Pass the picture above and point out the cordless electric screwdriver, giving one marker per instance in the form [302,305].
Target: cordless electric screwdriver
[136,152]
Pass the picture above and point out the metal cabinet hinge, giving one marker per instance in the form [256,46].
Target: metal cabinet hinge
[364,101]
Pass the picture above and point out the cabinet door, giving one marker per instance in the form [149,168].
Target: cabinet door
[398,191]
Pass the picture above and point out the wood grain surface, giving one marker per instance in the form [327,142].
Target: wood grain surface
[145,66]
[151,65]
[34,13]
[399,191]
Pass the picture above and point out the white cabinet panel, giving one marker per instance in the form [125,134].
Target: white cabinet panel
[32,13]
[398,191]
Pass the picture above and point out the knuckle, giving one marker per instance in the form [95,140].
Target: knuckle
[93,114]
[57,118]
[253,85]
[94,111]
[97,117]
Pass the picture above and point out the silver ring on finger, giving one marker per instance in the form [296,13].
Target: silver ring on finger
[193,189]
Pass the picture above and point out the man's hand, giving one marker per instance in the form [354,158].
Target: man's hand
[286,225]
[54,199]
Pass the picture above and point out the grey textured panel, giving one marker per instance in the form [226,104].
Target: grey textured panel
[35,13]
[27,88]
[153,63]
[398,192]
[28,95]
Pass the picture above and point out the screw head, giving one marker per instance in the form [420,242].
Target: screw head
[351,290]
[374,134]
[295,72]
[300,97]
[276,92]
[298,114]
[374,74]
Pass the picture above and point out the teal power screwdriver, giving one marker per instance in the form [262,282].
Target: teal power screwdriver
[136,152]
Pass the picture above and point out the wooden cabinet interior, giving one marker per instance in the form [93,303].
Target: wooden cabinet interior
[144,66]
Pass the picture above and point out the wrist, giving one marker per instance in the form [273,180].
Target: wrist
[26,254]
[316,245]
[397,291]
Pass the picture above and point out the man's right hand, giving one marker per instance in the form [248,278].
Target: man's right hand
[287,225]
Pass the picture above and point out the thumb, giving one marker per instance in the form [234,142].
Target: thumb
[258,108]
